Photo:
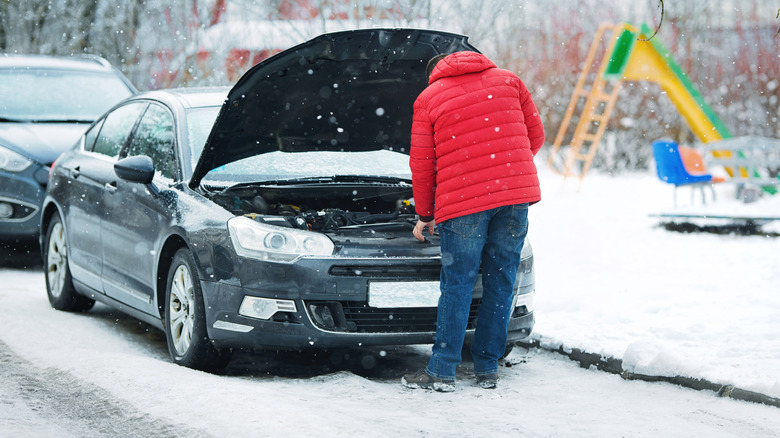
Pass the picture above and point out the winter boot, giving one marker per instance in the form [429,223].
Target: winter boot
[487,381]
[422,379]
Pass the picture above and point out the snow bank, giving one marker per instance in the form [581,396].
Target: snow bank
[610,281]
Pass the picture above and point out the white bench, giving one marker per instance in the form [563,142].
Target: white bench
[749,159]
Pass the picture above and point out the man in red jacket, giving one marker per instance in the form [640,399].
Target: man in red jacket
[475,132]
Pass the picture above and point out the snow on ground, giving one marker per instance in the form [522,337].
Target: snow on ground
[610,281]
[119,373]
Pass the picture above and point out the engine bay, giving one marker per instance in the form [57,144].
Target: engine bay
[321,207]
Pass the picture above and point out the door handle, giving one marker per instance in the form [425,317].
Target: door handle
[111,187]
[75,172]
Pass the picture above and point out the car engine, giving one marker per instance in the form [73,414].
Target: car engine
[319,207]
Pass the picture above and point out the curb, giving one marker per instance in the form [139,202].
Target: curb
[615,366]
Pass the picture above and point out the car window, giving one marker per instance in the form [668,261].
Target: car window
[47,94]
[154,138]
[91,135]
[116,128]
[199,124]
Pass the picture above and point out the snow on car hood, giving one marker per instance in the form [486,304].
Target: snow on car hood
[342,91]
[42,142]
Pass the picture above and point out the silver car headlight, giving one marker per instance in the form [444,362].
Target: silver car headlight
[11,161]
[276,244]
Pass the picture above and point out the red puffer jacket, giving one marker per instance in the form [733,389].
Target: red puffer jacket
[474,136]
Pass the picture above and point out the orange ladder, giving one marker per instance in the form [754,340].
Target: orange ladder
[596,97]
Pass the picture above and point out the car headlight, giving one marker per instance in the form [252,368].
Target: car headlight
[277,244]
[13,162]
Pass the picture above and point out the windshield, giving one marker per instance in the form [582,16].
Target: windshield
[292,165]
[51,95]
[200,120]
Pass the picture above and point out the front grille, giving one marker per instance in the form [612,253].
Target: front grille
[364,319]
[388,272]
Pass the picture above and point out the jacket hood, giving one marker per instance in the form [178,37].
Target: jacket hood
[343,91]
[460,63]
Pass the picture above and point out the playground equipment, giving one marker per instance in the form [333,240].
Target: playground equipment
[745,214]
[757,158]
[627,56]
[682,166]
[622,53]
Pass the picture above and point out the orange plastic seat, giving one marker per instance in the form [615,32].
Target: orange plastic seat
[694,163]
[682,166]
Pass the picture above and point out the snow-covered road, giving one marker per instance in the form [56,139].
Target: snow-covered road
[52,402]
[608,282]
[104,374]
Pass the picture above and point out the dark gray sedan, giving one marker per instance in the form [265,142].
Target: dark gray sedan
[277,214]
[46,103]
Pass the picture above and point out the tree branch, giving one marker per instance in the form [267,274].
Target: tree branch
[660,23]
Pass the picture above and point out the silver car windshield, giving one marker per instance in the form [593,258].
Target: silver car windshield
[285,165]
[51,95]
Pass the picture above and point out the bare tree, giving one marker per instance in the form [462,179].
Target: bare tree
[728,48]
[44,27]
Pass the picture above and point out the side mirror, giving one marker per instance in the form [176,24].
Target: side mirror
[137,169]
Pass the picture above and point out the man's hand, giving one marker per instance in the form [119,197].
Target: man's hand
[418,229]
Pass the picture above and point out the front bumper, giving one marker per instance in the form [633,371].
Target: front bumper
[21,196]
[332,311]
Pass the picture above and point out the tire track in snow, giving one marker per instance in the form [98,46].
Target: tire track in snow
[40,402]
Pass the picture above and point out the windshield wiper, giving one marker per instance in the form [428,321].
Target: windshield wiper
[373,179]
[369,179]
[8,120]
[61,121]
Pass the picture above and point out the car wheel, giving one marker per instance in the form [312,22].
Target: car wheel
[508,350]
[185,319]
[59,283]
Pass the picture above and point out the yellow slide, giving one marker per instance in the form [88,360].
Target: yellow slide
[636,59]
[630,55]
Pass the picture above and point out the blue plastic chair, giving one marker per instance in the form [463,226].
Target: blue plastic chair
[671,169]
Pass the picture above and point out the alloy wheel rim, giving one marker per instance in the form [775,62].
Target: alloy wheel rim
[182,309]
[56,260]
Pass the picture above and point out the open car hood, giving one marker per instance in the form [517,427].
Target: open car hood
[342,91]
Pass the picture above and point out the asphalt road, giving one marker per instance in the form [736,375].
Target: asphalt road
[26,255]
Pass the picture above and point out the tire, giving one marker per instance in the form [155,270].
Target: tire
[59,283]
[509,348]
[185,319]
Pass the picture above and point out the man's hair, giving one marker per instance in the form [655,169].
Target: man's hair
[432,63]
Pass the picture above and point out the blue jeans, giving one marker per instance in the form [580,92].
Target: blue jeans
[493,239]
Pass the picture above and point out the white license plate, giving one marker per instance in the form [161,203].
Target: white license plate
[386,294]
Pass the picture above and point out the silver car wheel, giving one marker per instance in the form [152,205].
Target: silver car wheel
[182,309]
[57,260]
